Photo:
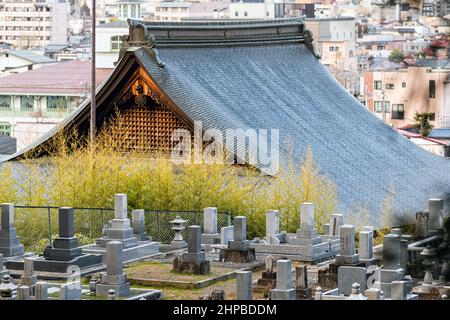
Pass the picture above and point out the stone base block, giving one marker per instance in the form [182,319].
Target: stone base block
[12,251]
[210,238]
[142,250]
[303,294]
[61,254]
[239,245]
[276,294]
[237,256]
[346,260]
[28,280]
[385,287]
[193,257]
[202,267]
[391,275]
[113,279]
[305,241]
[128,242]
[269,280]
[177,245]
[122,290]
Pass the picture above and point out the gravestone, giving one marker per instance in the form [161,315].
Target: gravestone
[366,247]
[435,208]
[9,241]
[347,276]
[23,293]
[226,235]
[29,277]
[301,281]
[41,290]
[64,251]
[120,229]
[194,261]
[238,250]
[305,245]
[113,278]
[210,234]
[244,285]
[421,230]
[268,278]
[391,270]
[336,222]
[272,222]
[307,234]
[348,255]
[326,229]
[71,291]
[283,290]
[138,224]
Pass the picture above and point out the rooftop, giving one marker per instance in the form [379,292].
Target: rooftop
[29,56]
[61,78]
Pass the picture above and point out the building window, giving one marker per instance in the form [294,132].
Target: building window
[398,111]
[389,86]
[26,103]
[116,43]
[245,13]
[432,116]
[133,11]
[378,85]
[5,103]
[403,84]
[55,104]
[378,106]
[432,88]
[236,14]
[5,129]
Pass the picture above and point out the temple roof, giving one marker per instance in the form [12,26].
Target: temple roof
[255,82]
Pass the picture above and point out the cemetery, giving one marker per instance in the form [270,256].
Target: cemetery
[208,263]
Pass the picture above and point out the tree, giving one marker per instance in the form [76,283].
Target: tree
[396,56]
[423,123]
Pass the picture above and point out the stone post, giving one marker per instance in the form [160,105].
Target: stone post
[391,252]
[272,222]
[240,228]
[244,285]
[41,290]
[120,206]
[435,207]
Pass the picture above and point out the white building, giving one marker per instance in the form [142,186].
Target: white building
[17,61]
[108,43]
[241,10]
[28,24]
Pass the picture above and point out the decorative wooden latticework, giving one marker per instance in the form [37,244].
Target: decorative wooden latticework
[148,128]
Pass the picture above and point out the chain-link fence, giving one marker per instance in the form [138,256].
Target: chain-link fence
[38,225]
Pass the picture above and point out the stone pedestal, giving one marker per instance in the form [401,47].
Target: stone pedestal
[9,241]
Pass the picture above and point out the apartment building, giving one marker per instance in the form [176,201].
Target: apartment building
[29,24]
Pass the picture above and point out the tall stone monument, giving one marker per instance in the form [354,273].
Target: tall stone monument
[210,234]
[9,241]
[283,290]
[194,261]
[238,250]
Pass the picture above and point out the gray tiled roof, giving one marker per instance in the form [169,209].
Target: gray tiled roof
[440,133]
[285,87]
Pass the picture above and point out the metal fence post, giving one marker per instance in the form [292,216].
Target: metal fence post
[49,226]
[101,214]
[157,226]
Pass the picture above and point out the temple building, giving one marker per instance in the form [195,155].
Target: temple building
[263,75]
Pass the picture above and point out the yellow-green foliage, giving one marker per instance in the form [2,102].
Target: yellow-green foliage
[89,177]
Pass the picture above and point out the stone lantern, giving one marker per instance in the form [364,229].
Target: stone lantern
[428,254]
[178,226]
[7,288]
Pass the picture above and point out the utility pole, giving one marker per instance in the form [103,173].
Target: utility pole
[93,82]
